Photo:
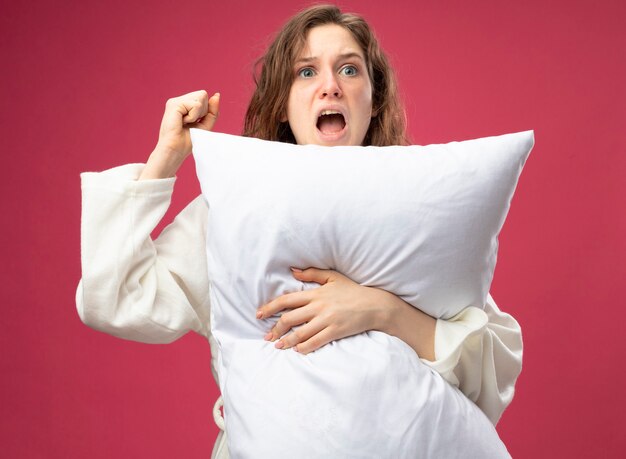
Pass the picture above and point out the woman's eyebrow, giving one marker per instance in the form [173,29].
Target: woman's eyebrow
[341,56]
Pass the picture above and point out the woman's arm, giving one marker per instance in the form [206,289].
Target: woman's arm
[400,319]
[133,287]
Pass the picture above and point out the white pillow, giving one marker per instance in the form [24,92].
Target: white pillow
[419,221]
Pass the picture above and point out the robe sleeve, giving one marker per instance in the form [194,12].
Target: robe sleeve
[480,352]
[133,287]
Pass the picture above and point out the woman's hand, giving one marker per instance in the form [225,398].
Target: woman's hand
[338,308]
[192,110]
[341,308]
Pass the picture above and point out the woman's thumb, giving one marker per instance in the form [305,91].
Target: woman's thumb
[210,118]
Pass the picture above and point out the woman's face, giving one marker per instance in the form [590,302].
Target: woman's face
[331,78]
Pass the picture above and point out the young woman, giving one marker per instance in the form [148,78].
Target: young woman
[324,80]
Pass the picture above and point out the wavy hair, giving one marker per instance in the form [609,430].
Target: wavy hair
[269,101]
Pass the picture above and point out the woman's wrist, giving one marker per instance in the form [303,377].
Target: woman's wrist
[414,327]
[162,163]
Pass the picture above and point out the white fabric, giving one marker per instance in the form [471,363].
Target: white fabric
[156,291]
[487,339]
[220,449]
[420,222]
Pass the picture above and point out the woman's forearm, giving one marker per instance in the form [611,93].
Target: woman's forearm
[162,163]
[411,325]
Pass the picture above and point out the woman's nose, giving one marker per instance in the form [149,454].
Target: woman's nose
[330,85]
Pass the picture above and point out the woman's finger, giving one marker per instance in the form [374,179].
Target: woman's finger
[321,337]
[286,301]
[194,107]
[182,110]
[289,320]
[305,333]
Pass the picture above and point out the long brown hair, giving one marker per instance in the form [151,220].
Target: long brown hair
[269,101]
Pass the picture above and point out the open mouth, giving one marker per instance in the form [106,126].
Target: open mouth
[331,124]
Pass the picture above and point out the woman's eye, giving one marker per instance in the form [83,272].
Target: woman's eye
[306,72]
[349,70]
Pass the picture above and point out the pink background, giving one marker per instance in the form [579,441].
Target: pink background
[84,85]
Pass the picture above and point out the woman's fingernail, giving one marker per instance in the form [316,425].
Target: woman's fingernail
[279,345]
[259,314]
[268,337]
[295,348]
[296,269]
